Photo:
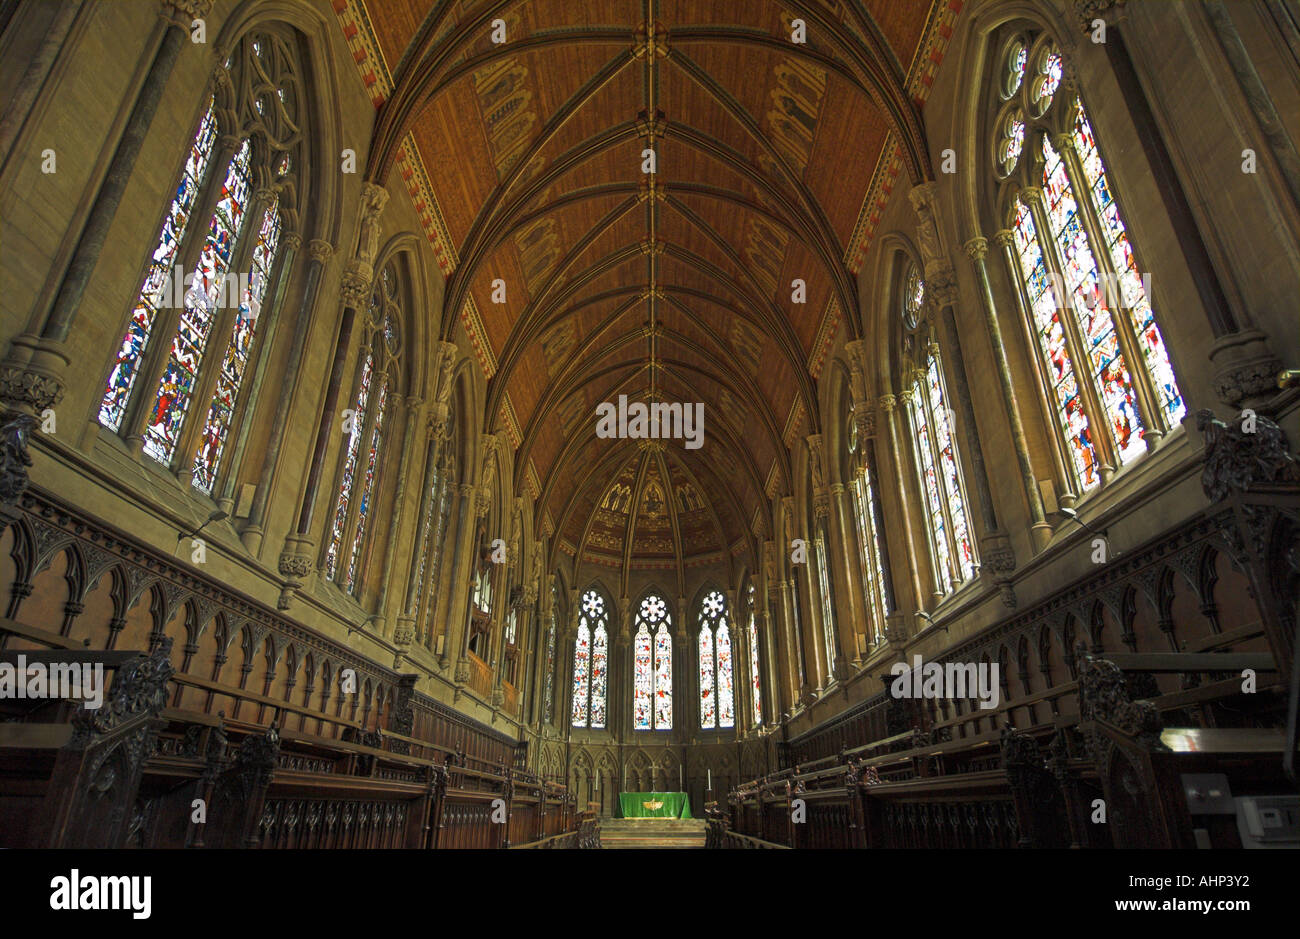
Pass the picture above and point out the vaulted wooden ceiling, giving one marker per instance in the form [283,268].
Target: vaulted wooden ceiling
[764,150]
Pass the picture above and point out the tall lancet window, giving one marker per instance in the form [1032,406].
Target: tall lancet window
[207,287]
[717,678]
[1104,366]
[756,684]
[591,662]
[866,511]
[433,532]
[942,489]
[548,683]
[366,424]
[652,679]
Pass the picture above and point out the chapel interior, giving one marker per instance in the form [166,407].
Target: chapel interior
[352,352]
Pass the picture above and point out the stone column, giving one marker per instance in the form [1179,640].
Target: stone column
[232,461]
[739,665]
[299,548]
[794,671]
[996,554]
[1040,531]
[887,405]
[319,252]
[457,610]
[1062,462]
[844,544]
[33,374]
[410,442]
[686,705]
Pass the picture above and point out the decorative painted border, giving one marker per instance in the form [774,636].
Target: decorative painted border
[411,165]
[925,64]
[824,339]
[793,421]
[359,34]
[478,338]
[773,479]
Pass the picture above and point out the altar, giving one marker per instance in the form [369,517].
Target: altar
[654,804]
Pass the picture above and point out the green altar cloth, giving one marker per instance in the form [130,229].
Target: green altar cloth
[675,804]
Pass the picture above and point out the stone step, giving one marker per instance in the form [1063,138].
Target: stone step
[656,833]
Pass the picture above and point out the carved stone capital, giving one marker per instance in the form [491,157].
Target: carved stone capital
[821,503]
[996,553]
[1004,238]
[1086,11]
[977,248]
[864,419]
[297,558]
[183,13]
[354,288]
[320,250]
[404,631]
[1245,368]
[31,375]
[1031,195]
[887,402]
[30,387]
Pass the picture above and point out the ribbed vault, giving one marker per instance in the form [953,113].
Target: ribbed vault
[673,285]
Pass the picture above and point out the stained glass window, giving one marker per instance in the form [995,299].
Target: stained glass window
[209,316]
[756,685]
[652,679]
[1083,290]
[357,423]
[717,679]
[1016,60]
[548,685]
[941,483]
[591,662]
[873,569]
[726,687]
[433,527]
[708,700]
[1132,293]
[209,291]
[599,671]
[1052,344]
[913,295]
[827,604]
[235,361]
[159,288]
[930,488]
[1087,300]
[642,680]
[951,473]
[582,675]
[368,483]
[366,424]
